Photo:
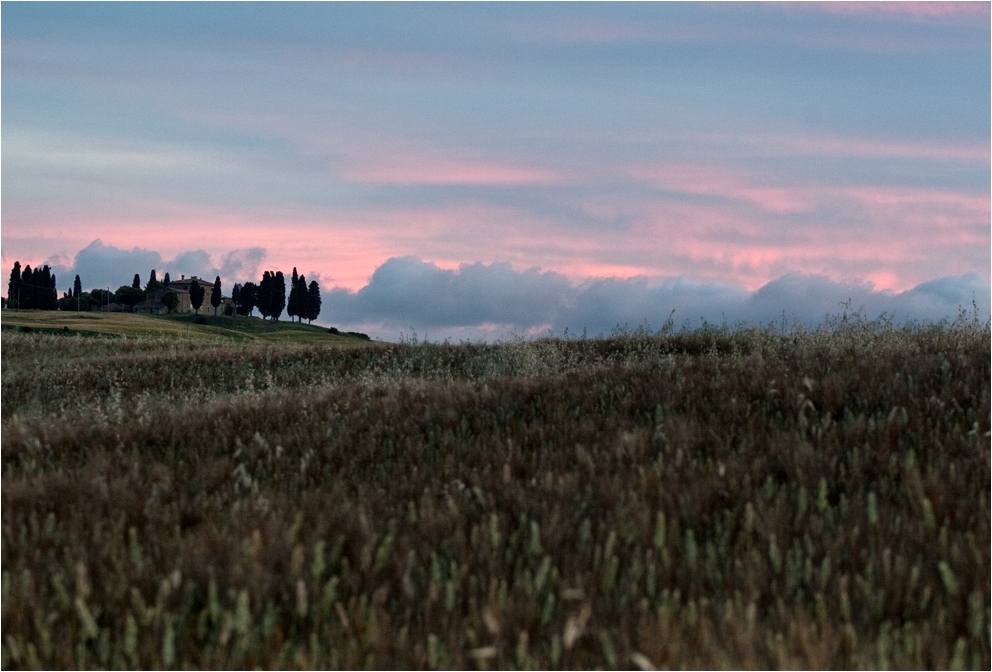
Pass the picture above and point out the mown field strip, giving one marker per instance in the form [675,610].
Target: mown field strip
[189,327]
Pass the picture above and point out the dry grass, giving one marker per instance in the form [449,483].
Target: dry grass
[728,499]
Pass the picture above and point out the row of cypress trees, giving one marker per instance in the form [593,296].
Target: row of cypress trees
[269,296]
[304,301]
[32,288]
[35,288]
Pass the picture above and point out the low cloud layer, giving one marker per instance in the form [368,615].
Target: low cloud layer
[100,265]
[477,301]
[488,301]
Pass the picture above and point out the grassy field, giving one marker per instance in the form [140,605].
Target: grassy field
[195,327]
[715,499]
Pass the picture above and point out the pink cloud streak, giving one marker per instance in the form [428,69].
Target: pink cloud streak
[943,206]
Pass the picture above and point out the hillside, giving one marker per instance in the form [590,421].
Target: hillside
[185,326]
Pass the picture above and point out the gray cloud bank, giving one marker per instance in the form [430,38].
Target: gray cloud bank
[103,266]
[479,301]
[488,301]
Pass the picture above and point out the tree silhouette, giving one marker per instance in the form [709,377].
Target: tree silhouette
[153,284]
[246,298]
[51,293]
[14,286]
[293,309]
[278,295]
[129,295]
[302,298]
[271,298]
[25,298]
[166,280]
[77,287]
[298,297]
[136,283]
[215,295]
[263,300]
[33,289]
[196,294]
[313,301]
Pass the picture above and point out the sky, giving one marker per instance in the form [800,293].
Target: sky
[468,171]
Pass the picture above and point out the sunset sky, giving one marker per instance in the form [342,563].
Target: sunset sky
[473,170]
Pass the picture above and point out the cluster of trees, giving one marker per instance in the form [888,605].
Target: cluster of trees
[304,300]
[269,296]
[32,288]
[36,289]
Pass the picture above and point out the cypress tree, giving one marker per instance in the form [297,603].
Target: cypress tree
[302,298]
[246,298]
[262,299]
[293,309]
[196,294]
[151,278]
[313,301]
[166,280]
[136,283]
[52,292]
[215,295]
[14,286]
[77,287]
[278,295]
[27,288]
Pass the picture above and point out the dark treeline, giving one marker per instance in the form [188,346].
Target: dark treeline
[36,289]
[32,288]
[269,296]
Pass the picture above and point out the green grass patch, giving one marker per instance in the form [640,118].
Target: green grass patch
[190,326]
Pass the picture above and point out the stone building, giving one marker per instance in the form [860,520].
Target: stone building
[181,289]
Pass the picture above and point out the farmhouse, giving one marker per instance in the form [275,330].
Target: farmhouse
[180,288]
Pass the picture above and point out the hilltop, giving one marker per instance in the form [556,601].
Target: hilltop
[182,325]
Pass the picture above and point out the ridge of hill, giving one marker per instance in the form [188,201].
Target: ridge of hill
[207,327]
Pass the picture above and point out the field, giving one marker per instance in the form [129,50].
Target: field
[721,498]
[190,327]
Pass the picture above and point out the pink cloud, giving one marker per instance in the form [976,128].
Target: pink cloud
[895,237]
[943,207]
[700,179]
